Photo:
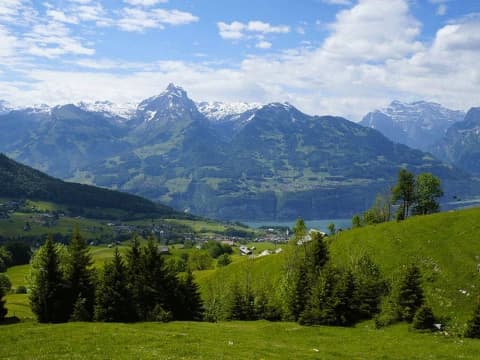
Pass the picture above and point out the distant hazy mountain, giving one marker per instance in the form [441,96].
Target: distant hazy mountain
[230,161]
[419,124]
[461,143]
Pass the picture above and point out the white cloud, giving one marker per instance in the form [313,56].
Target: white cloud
[53,39]
[238,30]
[442,9]
[374,30]
[356,69]
[263,45]
[7,43]
[337,2]
[144,2]
[138,20]
[231,31]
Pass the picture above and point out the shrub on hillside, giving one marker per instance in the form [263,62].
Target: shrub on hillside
[424,319]
[473,326]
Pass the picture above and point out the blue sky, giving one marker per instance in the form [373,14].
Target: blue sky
[343,57]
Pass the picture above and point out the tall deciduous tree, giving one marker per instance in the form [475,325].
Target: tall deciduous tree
[80,276]
[427,191]
[404,191]
[49,295]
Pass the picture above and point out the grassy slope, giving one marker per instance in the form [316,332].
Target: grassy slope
[446,246]
[233,340]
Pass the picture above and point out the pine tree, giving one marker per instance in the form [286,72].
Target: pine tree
[80,312]
[135,275]
[301,292]
[473,326]
[113,301]
[159,286]
[320,307]
[238,305]
[3,309]
[410,293]
[192,305]
[80,275]
[346,304]
[424,319]
[49,297]
[371,287]
[317,254]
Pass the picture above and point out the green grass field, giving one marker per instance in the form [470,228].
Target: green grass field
[228,340]
[446,247]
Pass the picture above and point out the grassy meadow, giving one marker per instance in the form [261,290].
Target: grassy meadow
[445,246]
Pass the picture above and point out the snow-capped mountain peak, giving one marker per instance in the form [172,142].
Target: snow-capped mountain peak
[418,124]
[4,107]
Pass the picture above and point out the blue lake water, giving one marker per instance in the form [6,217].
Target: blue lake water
[311,224]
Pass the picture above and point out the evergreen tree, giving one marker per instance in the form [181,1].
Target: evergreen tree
[80,275]
[320,307]
[160,285]
[238,304]
[301,292]
[345,301]
[424,318]
[3,309]
[113,301]
[317,254]
[80,312]
[473,325]
[371,287]
[192,305]
[410,293]
[300,230]
[135,277]
[49,296]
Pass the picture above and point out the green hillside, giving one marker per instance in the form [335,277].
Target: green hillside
[446,247]
[22,182]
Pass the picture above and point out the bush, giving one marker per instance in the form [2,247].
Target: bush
[224,260]
[21,290]
[473,326]
[5,283]
[424,319]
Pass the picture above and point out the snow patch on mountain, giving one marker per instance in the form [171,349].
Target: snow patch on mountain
[426,115]
[217,111]
[125,111]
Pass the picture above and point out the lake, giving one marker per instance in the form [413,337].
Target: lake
[311,224]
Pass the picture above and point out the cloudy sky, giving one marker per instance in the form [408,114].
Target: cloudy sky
[342,57]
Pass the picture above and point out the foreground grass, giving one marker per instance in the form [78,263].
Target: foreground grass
[230,340]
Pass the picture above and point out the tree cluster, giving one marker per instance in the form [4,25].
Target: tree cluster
[66,287]
[412,196]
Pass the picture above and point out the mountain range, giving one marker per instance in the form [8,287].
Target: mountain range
[450,135]
[229,161]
